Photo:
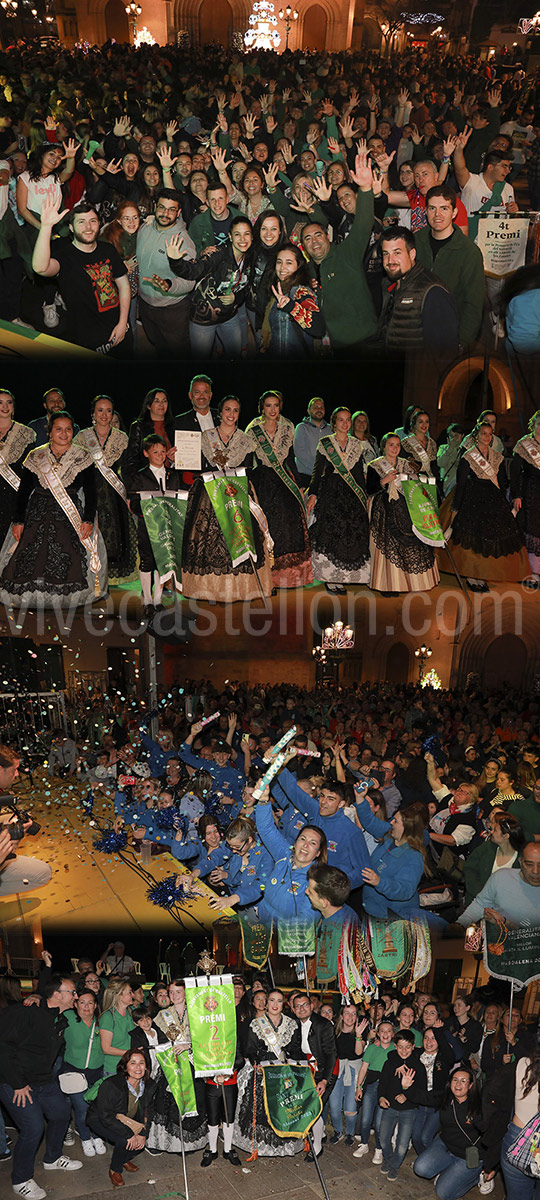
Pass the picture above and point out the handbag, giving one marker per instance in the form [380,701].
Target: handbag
[520,1153]
[72,1082]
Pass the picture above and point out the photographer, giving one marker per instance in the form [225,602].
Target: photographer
[17,873]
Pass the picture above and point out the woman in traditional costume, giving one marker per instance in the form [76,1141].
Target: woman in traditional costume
[276,482]
[15,442]
[54,552]
[525,490]
[107,446]
[419,447]
[340,532]
[164,1132]
[361,430]
[273,1038]
[400,561]
[208,570]
[485,539]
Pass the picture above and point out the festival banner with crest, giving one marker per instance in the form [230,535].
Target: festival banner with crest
[212,1021]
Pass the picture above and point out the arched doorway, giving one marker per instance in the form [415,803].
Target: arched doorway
[505,662]
[215,22]
[315,28]
[116,22]
[397,663]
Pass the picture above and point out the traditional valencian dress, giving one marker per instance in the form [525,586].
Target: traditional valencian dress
[208,573]
[50,563]
[276,482]
[14,447]
[164,1132]
[525,484]
[115,520]
[265,1043]
[400,562]
[425,456]
[486,541]
[340,531]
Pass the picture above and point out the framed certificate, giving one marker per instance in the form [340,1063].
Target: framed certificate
[187,447]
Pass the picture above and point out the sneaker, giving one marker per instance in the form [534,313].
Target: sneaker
[391,1175]
[5,1155]
[69,1139]
[377,1158]
[336,1137]
[63,1164]
[88,1149]
[485,1186]
[349,1140]
[30,1190]
[50,316]
[153,1152]
[99,1146]
[384,1169]
[362,1149]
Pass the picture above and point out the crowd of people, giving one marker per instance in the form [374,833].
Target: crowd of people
[326,501]
[415,1073]
[294,205]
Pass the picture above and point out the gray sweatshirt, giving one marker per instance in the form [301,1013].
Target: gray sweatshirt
[152,260]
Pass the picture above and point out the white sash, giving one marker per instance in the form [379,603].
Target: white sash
[10,476]
[528,449]
[270,1038]
[422,454]
[484,467]
[92,443]
[383,468]
[48,474]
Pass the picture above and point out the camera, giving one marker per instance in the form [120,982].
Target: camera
[10,810]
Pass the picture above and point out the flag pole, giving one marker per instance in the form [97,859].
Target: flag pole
[183,1153]
[510,1008]
[316,1161]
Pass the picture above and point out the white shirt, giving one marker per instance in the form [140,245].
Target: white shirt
[476,192]
[161,476]
[206,420]
[305,1027]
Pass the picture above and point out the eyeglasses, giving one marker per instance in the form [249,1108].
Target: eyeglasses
[68,992]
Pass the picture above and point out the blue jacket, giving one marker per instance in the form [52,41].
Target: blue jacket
[249,880]
[285,897]
[400,869]
[228,780]
[156,757]
[346,844]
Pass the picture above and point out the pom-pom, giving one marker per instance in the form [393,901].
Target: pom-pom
[88,803]
[163,894]
[432,745]
[167,818]
[109,841]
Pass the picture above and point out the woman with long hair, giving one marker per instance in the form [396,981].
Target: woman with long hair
[108,447]
[155,417]
[485,540]
[122,233]
[276,482]
[400,562]
[350,1047]
[361,430]
[83,1053]
[269,235]
[47,169]
[526,1106]
[273,1037]
[501,849]
[15,442]
[285,903]
[340,530]
[115,1023]
[397,862]
[420,448]
[293,320]
[165,1132]
[525,490]
[456,1154]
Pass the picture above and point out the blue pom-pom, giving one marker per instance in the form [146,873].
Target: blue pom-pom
[88,802]
[166,818]
[212,805]
[432,745]
[163,894]
[109,842]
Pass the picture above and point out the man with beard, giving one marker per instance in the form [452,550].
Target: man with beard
[418,311]
[92,279]
[164,302]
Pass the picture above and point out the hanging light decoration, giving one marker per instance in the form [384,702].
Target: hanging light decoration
[262,34]
[143,37]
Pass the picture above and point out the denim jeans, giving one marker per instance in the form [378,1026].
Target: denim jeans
[229,333]
[79,1104]
[402,1122]
[48,1105]
[120,1155]
[3,1135]
[370,1114]
[345,1096]
[426,1125]
[455,1177]
[518,1185]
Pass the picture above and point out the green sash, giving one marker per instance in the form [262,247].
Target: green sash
[291,1100]
[258,433]
[229,497]
[177,1072]
[165,517]
[421,500]
[212,1022]
[342,470]
[491,202]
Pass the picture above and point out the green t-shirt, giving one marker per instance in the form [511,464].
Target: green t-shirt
[375,1057]
[121,1028]
[76,1039]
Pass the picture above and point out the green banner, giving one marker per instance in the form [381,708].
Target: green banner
[212,1021]
[423,509]
[177,1072]
[229,497]
[296,937]
[291,1100]
[328,942]
[512,953]
[256,942]
[165,518]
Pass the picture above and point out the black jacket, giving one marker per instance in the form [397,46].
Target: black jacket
[390,1084]
[112,1098]
[459,1129]
[134,457]
[31,1040]
[322,1043]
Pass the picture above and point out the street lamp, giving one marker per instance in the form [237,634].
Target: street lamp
[10,7]
[133,11]
[422,653]
[289,15]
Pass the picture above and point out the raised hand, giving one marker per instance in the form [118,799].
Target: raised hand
[221,100]
[384,160]
[174,251]
[322,190]
[122,127]
[246,154]
[171,129]
[166,160]
[463,137]
[333,146]
[286,95]
[327,108]
[306,95]
[494,96]
[270,123]
[281,299]
[70,147]
[287,152]
[114,166]
[250,124]
[362,174]
[346,127]
[50,212]
[50,124]
[303,206]
[220,160]
[403,97]
[416,135]
[270,175]
[235,100]
[449,145]
[222,123]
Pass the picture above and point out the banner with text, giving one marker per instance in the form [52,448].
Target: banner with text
[229,498]
[512,953]
[177,1072]
[421,500]
[291,1100]
[165,518]
[503,242]
[212,1021]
